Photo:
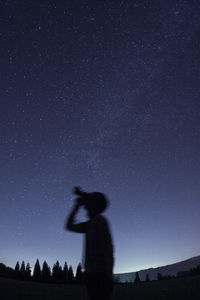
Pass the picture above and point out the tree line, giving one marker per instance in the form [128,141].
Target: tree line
[66,275]
[58,274]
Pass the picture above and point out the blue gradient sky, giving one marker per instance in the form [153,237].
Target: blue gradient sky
[105,95]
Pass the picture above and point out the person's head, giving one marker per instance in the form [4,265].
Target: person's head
[95,203]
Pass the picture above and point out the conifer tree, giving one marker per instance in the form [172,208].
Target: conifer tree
[46,272]
[28,271]
[147,278]
[57,272]
[37,271]
[137,278]
[159,276]
[17,272]
[22,270]
[79,274]
[65,273]
[17,267]
[70,275]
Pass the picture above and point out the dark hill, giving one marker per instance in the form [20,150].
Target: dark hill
[171,269]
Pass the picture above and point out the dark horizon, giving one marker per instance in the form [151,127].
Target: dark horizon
[180,269]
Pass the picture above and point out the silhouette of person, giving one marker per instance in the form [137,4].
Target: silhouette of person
[98,256]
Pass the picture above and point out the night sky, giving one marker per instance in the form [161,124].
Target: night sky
[104,95]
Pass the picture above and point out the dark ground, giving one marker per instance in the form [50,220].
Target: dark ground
[179,289]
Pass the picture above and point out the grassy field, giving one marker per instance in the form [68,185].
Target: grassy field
[179,289]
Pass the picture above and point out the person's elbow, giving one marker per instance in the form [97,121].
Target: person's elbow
[68,226]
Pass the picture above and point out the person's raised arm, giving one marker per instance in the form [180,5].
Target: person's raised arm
[70,222]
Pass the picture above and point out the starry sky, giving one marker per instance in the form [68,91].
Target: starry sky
[104,95]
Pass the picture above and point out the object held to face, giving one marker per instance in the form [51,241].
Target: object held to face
[77,191]
[94,202]
[82,195]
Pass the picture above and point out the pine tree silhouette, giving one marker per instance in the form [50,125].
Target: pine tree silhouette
[65,273]
[57,272]
[28,271]
[137,278]
[79,274]
[23,271]
[17,272]
[37,271]
[147,278]
[159,276]
[17,267]
[46,272]
[70,275]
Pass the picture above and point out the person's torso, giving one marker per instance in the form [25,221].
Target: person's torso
[99,248]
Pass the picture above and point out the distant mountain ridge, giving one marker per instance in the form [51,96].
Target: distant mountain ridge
[171,269]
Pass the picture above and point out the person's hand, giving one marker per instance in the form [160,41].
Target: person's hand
[76,190]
